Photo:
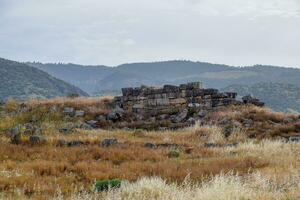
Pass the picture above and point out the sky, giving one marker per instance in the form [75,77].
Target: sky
[112,32]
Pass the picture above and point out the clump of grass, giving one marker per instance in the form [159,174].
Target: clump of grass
[106,185]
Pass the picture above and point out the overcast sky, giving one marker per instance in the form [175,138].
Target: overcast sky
[111,32]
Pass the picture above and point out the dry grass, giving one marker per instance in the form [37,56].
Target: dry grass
[254,169]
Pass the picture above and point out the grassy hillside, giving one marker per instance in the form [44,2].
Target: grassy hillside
[278,96]
[95,79]
[198,162]
[20,81]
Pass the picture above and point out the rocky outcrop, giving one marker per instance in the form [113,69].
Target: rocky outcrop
[170,99]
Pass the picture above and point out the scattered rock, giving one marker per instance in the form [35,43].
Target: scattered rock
[66,130]
[248,123]
[191,121]
[202,113]
[75,143]
[92,123]
[69,111]
[212,145]
[251,100]
[36,139]
[294,139]
[168,145]
[62,143]
[85,126]
[150,146]
[16,139]
[109,142]
[180,117]
[116,114]
[101,118]
[79,113]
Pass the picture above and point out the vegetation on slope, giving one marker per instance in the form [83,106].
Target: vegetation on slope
[20,81]
[278,96]
[208,165]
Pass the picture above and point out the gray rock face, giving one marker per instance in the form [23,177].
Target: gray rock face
[181,116]
[109,142]
[36,139]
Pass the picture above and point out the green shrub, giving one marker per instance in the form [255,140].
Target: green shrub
[173,154]
[104,185]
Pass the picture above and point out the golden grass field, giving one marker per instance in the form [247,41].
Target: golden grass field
[257,168]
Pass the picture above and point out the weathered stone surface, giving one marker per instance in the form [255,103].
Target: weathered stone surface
[92,123]
[79,113]
[181,116]
[69,111]
[109,142]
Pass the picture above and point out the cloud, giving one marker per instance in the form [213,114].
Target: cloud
[116,31]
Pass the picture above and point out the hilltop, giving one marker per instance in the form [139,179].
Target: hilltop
[95,79]
[20,81]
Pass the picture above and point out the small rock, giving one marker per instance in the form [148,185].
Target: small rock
[248,123]
[168,145]
[36,139]
[79,113]
[202,113]
[109,142]
[62,143]
[85,126]
[101,118]
[69,111]
[191,121]
[212,145]
[150,146]
[92,123]
[16,139]
[65,130]
[75,143]
[294,139]
[181,116]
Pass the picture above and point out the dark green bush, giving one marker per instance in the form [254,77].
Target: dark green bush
[173,154]
[104,185]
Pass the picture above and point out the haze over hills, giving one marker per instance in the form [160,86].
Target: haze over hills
[94,79]
[20,81]
[245,80]
[279,96]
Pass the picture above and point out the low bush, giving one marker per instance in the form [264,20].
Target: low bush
[105,185]
[173,154]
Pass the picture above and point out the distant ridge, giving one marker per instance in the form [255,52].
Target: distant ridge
[94,79]
[20,81]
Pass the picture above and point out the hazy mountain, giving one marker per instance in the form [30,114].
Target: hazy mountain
[278,96]
[95,79]
[20,81]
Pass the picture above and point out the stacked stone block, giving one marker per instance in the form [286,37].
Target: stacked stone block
[171,99]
